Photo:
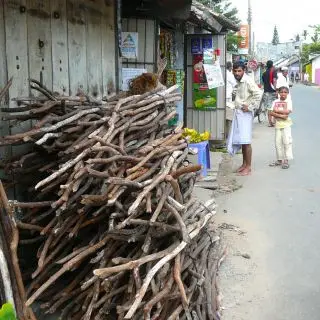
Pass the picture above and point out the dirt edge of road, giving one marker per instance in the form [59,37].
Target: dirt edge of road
[242,277]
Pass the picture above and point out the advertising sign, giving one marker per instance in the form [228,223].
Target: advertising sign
[253,65]
[129,45]
[203,97]
[195,46]
[243,45]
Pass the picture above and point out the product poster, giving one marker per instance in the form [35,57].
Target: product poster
[128,74]
[203,97]
[180,79]
[207,43]
[196,46]
[129,45]
[280,106]
[166,44]
[170,77]
[214,75]
[208,56]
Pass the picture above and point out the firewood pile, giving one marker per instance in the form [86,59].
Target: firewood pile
[108,210]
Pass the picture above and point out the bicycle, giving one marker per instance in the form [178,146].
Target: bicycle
[261,112]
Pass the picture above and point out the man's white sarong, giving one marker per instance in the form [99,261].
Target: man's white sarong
[241,131]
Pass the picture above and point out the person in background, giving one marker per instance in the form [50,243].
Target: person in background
[292,77]
[283,81]
[247,98]
[278,71]
[297,77]
[280,110]
[230,85]
[231,82]
[269,79]
[306,77]
[283,78]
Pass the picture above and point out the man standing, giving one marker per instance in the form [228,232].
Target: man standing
[269,79]
[230,83]
[283,79]
[247,98]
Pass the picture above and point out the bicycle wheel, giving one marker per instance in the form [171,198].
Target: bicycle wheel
[263,116]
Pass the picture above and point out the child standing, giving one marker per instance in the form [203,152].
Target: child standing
[280,110]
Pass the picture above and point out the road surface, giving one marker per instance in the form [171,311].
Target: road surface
[280,212]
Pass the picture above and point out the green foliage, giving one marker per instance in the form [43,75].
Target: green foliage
[305,34]
[226,8]
[305,54]
[316,33]
[275,39]
[308,49]
[210,3]
[7,312]
[232,41]
[314,47]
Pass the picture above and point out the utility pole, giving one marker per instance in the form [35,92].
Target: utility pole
[253,43]
[250,26]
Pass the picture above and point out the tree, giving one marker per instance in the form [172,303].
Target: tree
[233,40]
[308,49]
[314,47]
[316,33]
[210,3]
[275,39]
[226,8]
[305,34]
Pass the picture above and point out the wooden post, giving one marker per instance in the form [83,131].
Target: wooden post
[10,272]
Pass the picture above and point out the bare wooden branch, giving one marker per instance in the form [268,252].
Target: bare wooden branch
[4,90]
[112,194]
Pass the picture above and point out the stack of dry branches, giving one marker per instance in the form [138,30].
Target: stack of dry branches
[112,224]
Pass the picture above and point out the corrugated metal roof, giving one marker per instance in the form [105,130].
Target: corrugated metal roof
[210,19]
[293,60]
[313,56]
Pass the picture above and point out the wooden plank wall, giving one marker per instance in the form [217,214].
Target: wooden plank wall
[59,38]
[147,38]
[4,127]
[67,44]
[3,66]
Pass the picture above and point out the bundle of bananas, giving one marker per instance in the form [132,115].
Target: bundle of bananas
[194,136]
[7,312]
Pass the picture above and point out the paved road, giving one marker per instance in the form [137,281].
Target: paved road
[280,210]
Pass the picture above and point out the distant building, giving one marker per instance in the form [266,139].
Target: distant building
[315,66]
[267,51]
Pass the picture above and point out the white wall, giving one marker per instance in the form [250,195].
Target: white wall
[315,65]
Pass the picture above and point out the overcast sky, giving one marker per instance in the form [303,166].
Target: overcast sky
[290,18]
